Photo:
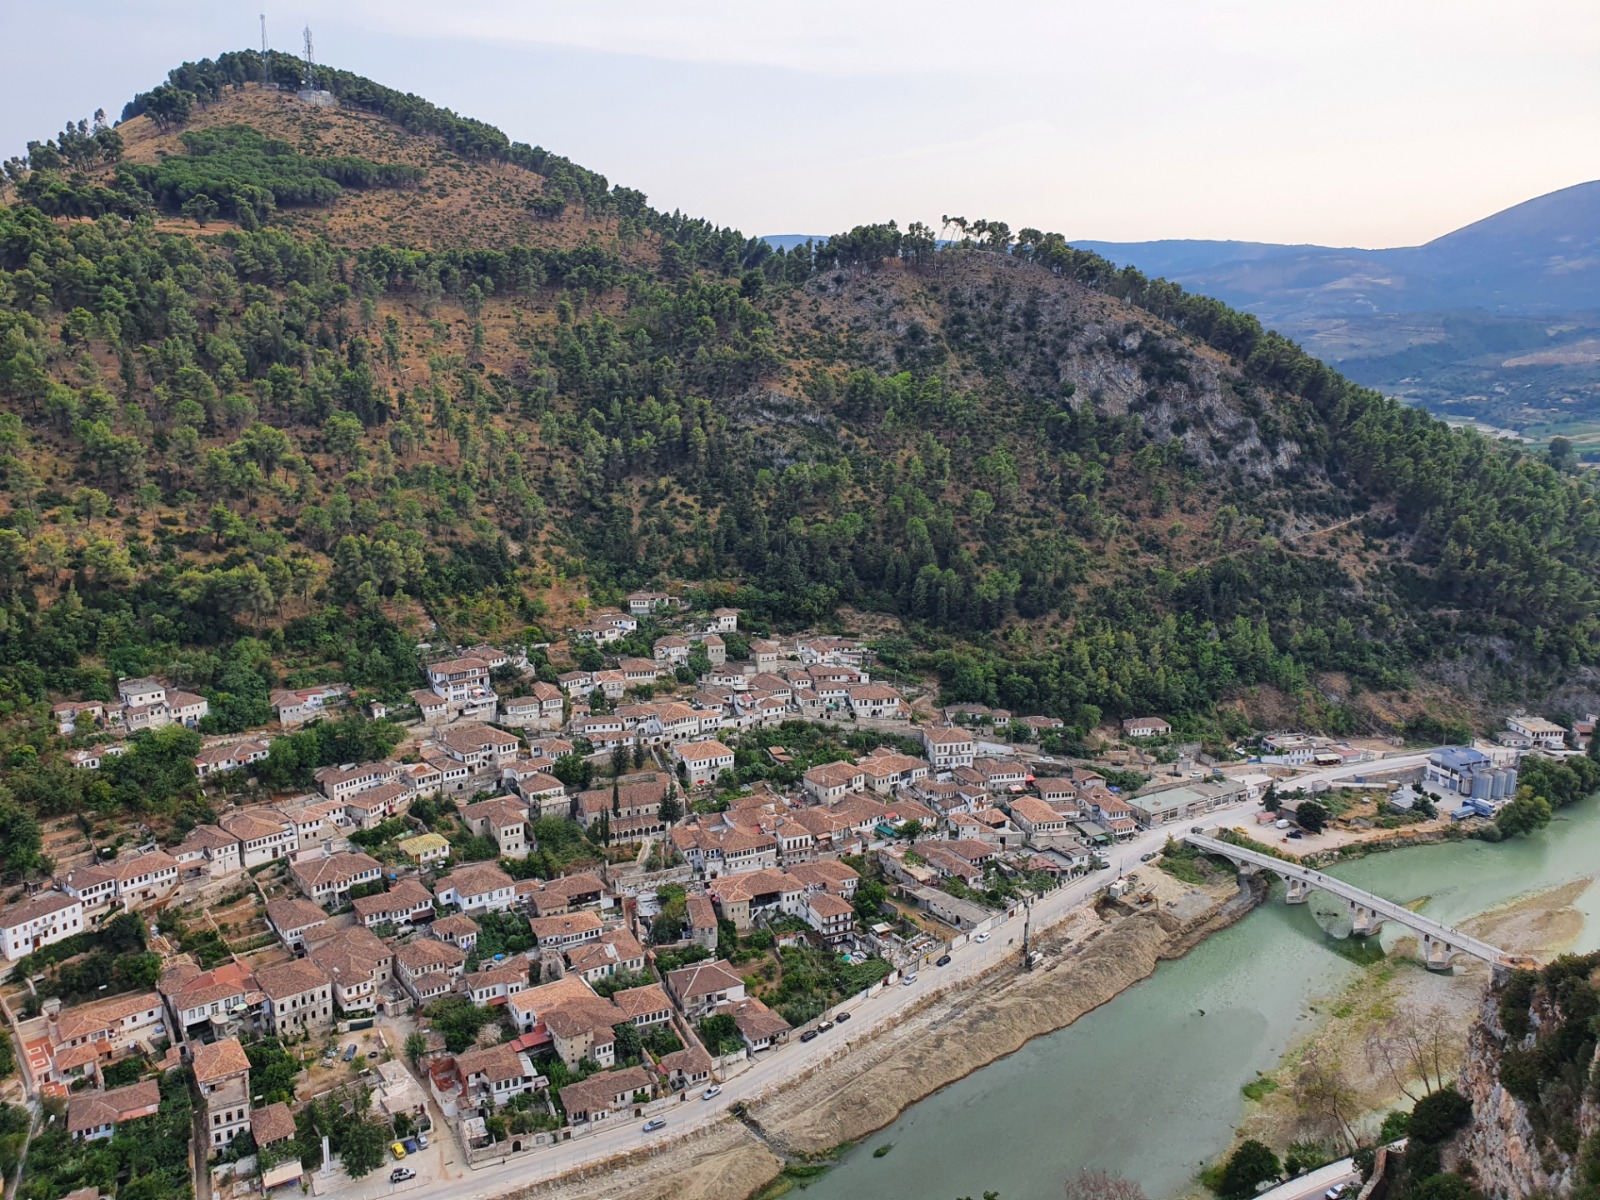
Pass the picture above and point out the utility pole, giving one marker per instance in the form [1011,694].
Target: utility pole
[1027,920]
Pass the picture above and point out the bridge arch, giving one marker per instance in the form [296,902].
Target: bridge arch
[1368,913]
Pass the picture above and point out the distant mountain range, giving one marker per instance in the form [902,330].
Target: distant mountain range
[1497,322]
[1539,257]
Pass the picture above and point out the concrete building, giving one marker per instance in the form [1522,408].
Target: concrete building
[299,998]
[39,920]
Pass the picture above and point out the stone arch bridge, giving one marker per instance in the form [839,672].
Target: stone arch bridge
[1440,943]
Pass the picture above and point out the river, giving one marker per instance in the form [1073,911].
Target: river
[1148,1087]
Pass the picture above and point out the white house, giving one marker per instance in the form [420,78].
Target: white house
[1145,727]
[703,761]
[1538,731]
[477,888]
[39,920]
[948,747]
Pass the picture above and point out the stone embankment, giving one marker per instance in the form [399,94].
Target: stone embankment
[1088,960]
[959,1033]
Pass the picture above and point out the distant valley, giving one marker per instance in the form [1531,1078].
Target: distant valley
[1496,323]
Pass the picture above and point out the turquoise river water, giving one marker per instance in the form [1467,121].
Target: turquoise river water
[1146,1086]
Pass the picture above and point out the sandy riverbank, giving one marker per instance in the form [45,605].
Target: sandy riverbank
[1351,1021]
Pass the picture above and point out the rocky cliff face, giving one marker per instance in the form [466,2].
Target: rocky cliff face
[1517,1147]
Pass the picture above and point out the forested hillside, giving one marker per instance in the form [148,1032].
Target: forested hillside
[283,386]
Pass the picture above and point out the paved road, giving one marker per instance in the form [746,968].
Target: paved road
[774,1067]
[1314,1185]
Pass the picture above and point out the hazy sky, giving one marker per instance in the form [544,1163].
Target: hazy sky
[1367,122]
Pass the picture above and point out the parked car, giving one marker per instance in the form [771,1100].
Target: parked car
[422,1141]
[909,980]
[942,961]
[1147,857]
[711,1092]
[349,1052]
[655,1123]
[411,1145]
[824,1026]
[397,1150]
[981,937]
[401,1175]
[809,1035]
[841,1018]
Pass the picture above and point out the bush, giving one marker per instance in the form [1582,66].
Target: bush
[1439,1116]
[1396,1125]
[1251,1164]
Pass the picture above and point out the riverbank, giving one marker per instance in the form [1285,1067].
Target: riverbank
[1087,964]
[1358,1031]
[1090,957]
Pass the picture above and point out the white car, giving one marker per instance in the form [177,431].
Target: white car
[711,1092]
[981,937]
[909,980]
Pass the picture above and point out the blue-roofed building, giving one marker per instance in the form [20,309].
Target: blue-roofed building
[1469,772]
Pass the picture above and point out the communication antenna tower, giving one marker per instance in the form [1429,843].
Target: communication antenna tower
[310,83]
[263,37]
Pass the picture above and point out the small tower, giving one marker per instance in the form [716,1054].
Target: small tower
[308,79]
[309,92]
[266,62]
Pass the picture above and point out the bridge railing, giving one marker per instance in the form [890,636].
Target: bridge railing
[1388,909]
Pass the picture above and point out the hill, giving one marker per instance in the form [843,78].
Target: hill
[1541,256]
[287,387]
[1495,322]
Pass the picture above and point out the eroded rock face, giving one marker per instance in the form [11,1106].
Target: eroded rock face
[1507,1158]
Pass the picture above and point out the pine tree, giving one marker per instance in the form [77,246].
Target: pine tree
[671,808]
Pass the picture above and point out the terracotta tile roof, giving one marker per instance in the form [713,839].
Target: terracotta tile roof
[283,980]
[599,1091]
[292,913]
[691,1060]
[564,925]
[426,954]
[642,1001]
[335,868]
[41,904]
[273,1123]
[218,1060]
[455,925]
[90,1110]
[756,1021]
[90,1018]
[477,880]
[702,979]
